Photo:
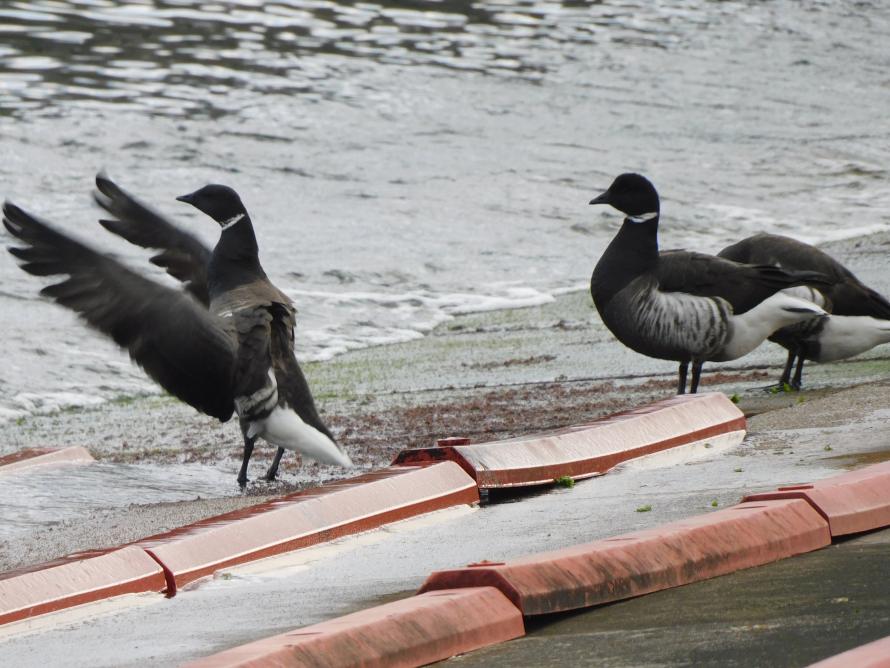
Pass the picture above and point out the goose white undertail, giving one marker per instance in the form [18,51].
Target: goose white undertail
[284,428]
[749,329]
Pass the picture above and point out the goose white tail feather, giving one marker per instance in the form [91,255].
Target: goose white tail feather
[284,428]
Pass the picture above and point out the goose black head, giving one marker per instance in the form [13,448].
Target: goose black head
[632,194]
[219,202]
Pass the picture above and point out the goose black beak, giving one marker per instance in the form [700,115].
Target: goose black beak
[188,199]
[600,199]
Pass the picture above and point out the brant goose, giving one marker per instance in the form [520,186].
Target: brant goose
[185,258]
[234,357]
[680,305]
[860,317]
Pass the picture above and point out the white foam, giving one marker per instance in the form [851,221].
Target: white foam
[739,222]
[33,403]
[381,318]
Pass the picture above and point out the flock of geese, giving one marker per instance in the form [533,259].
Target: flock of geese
[696,308]
[224,344]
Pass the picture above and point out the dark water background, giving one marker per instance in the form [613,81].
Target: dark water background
[407,161]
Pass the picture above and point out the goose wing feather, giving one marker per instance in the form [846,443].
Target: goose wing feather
[292,384]
[184,348]
[744,286]
[265,341]
[182,255]
[846,293]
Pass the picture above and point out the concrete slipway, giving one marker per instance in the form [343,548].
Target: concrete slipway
[807,441]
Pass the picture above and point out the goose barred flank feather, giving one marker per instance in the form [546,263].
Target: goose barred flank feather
[668,325]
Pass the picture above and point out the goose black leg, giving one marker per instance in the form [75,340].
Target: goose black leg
[272,473]
[696,376]
[798,374]
[786,373]
[681,385]
[785,381]
[248,451]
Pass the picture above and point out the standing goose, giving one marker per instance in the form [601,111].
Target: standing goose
[684,306]
[236,357]
[860,317]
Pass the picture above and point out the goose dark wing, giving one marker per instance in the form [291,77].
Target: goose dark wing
[292,384]
[742,285]
[858,299]
[170,335]
[847,294]
[786,253]
[183,255]
[265,335]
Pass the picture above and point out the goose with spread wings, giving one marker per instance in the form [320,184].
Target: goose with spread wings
[224,345]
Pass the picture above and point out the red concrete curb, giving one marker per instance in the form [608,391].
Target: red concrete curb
[851,502]
[592,449]
[701,547]
[80,578]
[34,457]
[411,632]
[873,655]
[308,518]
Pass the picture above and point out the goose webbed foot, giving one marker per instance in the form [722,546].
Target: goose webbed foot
[778,388]
[786,383]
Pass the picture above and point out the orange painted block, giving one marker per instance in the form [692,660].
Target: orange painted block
[412,632]
[851,502]
[591,449]
[873,655]
[77,579]
[642,562]
[308,518]
[33,457]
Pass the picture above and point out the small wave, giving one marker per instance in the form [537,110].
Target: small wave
[841,233]
[34,403]
[378,318]
[738,222]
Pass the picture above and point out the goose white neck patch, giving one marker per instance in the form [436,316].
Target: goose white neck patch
[226,224]
[643,217]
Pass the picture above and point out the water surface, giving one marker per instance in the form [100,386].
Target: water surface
[407,161]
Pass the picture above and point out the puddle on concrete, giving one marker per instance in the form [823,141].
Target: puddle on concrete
[49,497]
[517,494]
[855,460]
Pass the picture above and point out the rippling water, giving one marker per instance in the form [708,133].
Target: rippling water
[407,161]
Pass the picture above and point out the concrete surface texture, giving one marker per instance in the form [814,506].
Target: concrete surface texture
[487,376]
[281,594]
[790,613]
